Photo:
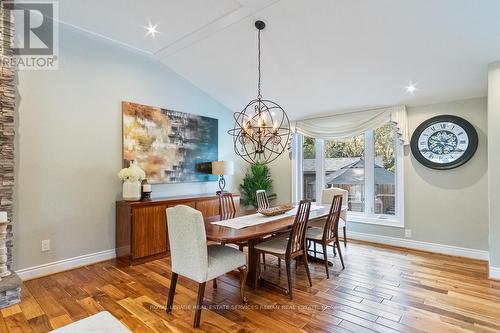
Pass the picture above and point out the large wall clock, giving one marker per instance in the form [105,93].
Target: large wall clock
[444,142]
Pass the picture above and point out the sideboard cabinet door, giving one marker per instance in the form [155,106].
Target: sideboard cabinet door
[208,208]
[149,231]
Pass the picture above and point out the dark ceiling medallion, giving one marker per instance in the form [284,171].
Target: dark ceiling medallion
[262,129]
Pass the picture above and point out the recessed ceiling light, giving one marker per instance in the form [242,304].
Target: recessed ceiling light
[152,30]
[411,87]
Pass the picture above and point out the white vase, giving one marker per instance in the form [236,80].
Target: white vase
[131,191]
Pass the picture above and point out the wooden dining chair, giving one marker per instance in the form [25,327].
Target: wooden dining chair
[227,209]
[329,233]
[327,197]
[262,201]
[193,258]
[288,246]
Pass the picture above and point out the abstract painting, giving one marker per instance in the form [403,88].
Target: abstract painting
[168,145]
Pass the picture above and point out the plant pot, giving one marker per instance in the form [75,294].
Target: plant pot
[131,191]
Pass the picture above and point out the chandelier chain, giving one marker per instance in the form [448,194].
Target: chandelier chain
[259,96]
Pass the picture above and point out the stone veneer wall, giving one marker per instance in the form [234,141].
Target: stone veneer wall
[7,104]
[10,290]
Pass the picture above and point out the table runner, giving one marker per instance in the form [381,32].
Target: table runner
[313,207]
[245,221]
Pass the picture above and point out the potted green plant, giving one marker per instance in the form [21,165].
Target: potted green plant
[257,177]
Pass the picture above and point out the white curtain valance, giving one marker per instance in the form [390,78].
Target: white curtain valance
[346,125]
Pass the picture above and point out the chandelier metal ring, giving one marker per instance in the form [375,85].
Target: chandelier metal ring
[261,132]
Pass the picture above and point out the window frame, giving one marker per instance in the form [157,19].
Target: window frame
[368,216]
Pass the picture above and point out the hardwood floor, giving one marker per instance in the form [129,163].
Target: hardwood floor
[382,289]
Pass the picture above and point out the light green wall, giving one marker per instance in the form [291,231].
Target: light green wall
[445,207]
[494,163]
[69,144]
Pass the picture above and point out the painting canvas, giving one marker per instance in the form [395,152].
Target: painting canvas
[168,145]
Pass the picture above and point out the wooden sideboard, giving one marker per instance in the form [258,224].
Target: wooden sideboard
[141,226]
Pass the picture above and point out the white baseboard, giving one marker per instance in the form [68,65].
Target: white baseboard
[423,246]
[494,272]
[65,264]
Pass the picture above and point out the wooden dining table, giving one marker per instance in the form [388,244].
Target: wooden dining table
[254,234]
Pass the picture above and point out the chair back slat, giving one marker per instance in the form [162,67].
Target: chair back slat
[262,201]
[296,242]
[331,229]
[227,209]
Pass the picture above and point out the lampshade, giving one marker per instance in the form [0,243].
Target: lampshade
[222,168]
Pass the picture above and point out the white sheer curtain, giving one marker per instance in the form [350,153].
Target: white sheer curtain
[354,123]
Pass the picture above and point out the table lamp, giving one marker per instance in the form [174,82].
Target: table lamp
[222,168]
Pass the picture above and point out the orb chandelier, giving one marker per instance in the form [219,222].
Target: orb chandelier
[262,129]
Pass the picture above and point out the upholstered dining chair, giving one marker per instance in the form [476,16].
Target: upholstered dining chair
[262,201]
[192,258]
[327,198]
[329,233]
[288,246]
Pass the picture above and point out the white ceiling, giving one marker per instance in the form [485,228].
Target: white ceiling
[318,55]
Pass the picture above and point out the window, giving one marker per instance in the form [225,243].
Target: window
[345,168]
[308,169]
[385,170]
[369,166]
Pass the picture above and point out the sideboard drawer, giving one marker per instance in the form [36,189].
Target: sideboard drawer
[187,203]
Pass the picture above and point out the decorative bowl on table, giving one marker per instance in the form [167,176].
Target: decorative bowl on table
[278,210]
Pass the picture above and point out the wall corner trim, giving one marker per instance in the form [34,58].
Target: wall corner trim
[494,272]
[423,246]
[65,264]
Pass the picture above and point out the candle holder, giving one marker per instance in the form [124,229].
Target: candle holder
[146,191]
[146,196]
